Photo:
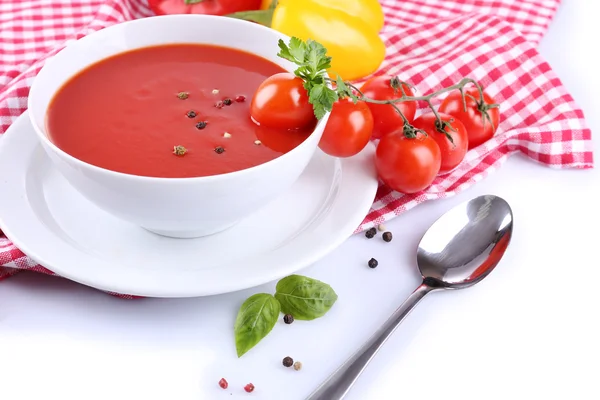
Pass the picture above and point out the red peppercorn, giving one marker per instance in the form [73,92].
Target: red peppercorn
[249,388]
[240,98]
[223,383]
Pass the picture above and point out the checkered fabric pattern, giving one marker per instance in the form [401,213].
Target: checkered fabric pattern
[430,43]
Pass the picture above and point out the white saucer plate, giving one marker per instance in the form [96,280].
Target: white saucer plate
[57,227]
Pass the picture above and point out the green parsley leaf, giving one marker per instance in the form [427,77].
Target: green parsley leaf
[341,88]
[315,93]
[316,56]
[312,61]
[298,50]
[322,99]
[284,51]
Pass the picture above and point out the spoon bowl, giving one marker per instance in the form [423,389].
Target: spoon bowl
[459,250]
[465,244]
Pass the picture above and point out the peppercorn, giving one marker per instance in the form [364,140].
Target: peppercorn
[297,365]
[288,318]
[240,98]
[179,150]
[381,227]
[183,95]
[249,388]
[201,125]
[191,114]
[288,362]
[227,101]
[219,104]
[223,383]
[387,236]
[370,234]
[257,142]
[373,263]
[219,150]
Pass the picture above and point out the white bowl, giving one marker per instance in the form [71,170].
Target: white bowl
[175,207]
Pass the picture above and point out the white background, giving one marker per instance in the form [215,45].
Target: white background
[529,331]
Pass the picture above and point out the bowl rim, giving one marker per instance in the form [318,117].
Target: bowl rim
[143,178]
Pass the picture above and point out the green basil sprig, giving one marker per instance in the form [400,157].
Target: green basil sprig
[254,321]
[302,297]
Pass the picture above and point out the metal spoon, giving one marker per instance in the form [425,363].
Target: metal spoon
[459,250]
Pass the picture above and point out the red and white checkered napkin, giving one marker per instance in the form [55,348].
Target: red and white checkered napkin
[431,44]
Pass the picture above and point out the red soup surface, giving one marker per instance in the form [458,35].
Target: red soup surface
[127,113]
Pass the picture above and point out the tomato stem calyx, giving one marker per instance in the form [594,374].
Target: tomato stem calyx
[441,125]
[483,108]
[411,132]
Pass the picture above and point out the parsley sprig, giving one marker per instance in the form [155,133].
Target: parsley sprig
[313,62]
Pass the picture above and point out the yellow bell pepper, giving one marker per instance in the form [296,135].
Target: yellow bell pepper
[349,29]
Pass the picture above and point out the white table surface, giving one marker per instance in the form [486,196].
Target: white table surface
[529,331]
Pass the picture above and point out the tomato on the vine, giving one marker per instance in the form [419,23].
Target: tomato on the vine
[209,7]
[281,101]
[348,130]
[387,119]
[452,152]
[479,128]
[407,165]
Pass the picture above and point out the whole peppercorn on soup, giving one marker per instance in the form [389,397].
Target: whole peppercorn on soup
[170,111]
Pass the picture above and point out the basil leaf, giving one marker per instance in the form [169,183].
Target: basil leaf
[255,319]
[305,298]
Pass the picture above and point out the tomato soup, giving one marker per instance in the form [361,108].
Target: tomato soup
[168,111]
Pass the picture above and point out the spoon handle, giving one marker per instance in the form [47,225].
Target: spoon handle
[338,384]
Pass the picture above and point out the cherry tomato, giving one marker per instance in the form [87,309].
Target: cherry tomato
[478,130]
[348,130]
[387,120]
[209,7]
[452,153]
[407,165]
[282,102]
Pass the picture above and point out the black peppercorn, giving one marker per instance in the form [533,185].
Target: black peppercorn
[387,236]
[288,362]
[191,114]
[288,318]
[219,150]
[201,125]
[373,263]
[227,101]
[371,233]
